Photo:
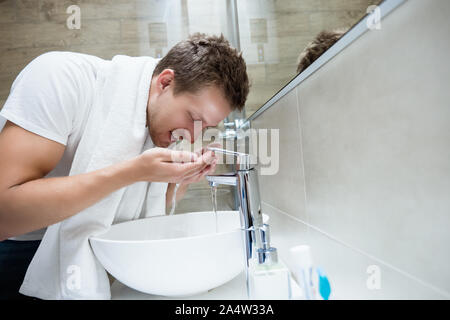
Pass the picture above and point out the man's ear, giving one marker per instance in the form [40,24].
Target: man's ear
[165,79]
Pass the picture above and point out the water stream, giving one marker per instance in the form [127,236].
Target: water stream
[174,199]
[177,146]
[214,203]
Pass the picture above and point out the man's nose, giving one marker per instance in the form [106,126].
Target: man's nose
[197,130]
[195,135]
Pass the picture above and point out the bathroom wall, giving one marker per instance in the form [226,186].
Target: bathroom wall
[29,28]
[364,174]
[274,32]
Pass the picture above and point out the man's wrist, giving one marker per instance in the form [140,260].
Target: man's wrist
[123,173]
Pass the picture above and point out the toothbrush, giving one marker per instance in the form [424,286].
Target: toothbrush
[324,284]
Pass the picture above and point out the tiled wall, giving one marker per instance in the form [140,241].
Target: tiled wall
[289,25]
[365,160]
[29,28]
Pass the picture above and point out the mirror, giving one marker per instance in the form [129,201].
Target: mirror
[270,33]
[273,35]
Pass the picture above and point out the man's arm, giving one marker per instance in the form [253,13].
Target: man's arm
[28,201]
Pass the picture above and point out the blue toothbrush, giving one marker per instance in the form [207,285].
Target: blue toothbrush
[324,284]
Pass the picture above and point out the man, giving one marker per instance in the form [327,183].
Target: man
[200,79]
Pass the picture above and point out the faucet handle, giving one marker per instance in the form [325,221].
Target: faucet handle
[266,253]
[228,152]
[243,159]
[264,233]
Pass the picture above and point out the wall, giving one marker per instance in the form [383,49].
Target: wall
[281,29]
[364,160]
[29,28]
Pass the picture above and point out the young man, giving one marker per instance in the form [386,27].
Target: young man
[51,101]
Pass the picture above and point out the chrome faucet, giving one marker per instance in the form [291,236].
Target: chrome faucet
[246,180]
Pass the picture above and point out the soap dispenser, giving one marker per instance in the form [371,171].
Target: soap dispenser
[269,278]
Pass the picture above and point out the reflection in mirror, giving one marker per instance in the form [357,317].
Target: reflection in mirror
[323,41]
[281,38]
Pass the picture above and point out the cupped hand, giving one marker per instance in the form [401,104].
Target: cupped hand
[164,165]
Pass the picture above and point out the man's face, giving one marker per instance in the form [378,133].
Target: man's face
[167,113]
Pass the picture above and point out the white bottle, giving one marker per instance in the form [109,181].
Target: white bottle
[269,278]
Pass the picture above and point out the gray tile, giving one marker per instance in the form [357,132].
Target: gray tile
[258,30]
[51,34]
[108,50]
[55,10]
[346,268]
[27,10]
[157,35]
[8,11]
[375,142]
[197,200]
[285,189]
[339,5]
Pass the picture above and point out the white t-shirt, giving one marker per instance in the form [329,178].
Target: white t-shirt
[52,97]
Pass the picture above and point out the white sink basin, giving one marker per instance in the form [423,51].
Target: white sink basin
[178,255]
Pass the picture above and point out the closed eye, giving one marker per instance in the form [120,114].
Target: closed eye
[193,118]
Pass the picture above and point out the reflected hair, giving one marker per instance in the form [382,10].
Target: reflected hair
[323,41]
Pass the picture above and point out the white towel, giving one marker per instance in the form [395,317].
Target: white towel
[64,266]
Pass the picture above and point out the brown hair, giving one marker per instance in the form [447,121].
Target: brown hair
[323,41]
[204,60]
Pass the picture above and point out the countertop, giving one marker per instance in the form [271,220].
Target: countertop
[232,290]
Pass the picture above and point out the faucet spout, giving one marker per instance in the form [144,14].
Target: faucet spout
[227,179]
[246,181]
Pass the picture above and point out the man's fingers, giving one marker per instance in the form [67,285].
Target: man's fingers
[205,150]
[186,156]
[187,165]
[178,156]
[188,169]
[212,167]
[192,173]
[197,175]
[201,172]
[208,157]
[197,166]
[196,169]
